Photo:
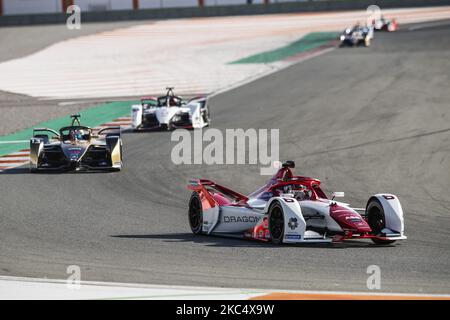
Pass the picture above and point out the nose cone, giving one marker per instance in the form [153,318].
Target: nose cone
[163,115]
[348,219]
[73,153]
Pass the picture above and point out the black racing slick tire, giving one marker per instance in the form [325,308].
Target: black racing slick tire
[376,219]
[276,223]
[206,116]
[195,213]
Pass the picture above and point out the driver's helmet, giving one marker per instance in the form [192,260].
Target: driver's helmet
[75,135]
[172,102]
[357,26]
[302,193]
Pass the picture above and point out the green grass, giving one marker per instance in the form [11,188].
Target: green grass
[309,42]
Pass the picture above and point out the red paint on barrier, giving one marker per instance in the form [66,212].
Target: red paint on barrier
[65,4]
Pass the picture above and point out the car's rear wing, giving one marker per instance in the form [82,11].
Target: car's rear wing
[202,185]
[45,130]
[114,131]
[197,98]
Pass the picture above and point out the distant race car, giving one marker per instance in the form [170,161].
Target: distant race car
[291,209]
[356,36]
[384,24]
[170,112]
[76,147]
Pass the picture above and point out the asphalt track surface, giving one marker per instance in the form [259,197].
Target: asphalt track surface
[363,120]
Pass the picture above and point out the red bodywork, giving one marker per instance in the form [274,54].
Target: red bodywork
[389,25]
[212,194]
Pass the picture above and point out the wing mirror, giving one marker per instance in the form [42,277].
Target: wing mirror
[337,195]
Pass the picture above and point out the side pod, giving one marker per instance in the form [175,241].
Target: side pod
[115,145]
[36,147]
[136,116]
[195,107]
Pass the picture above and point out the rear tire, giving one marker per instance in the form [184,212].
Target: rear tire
[276,223]
[195,214]
[206,116]
[376,220]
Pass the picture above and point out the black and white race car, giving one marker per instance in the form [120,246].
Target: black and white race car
[356,36]
[76,147]
[170,112]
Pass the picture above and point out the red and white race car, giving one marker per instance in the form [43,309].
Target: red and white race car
[291,209]
[383,24]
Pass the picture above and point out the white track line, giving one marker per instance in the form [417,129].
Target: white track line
[38,288]
[13,141]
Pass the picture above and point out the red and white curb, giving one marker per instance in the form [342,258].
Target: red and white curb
[123,122]
[15,159]
[22,157]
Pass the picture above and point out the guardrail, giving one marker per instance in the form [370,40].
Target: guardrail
[214,11]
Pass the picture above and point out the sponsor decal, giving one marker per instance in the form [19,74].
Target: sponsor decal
[74,153]
[353,218]
[293,223]
[293,236]
[238,219]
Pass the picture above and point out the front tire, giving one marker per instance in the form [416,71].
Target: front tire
[276,223]
[376,220]
[195,213]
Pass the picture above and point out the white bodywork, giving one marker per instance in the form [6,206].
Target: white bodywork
[298,215]
[164,114]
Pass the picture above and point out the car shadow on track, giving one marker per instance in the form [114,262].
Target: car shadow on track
[26,170]
[217,241]
[19,170]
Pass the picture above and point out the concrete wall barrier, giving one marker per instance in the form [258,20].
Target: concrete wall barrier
[213,11]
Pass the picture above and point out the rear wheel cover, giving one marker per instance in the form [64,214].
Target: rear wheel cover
[276,223]
[195,214]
